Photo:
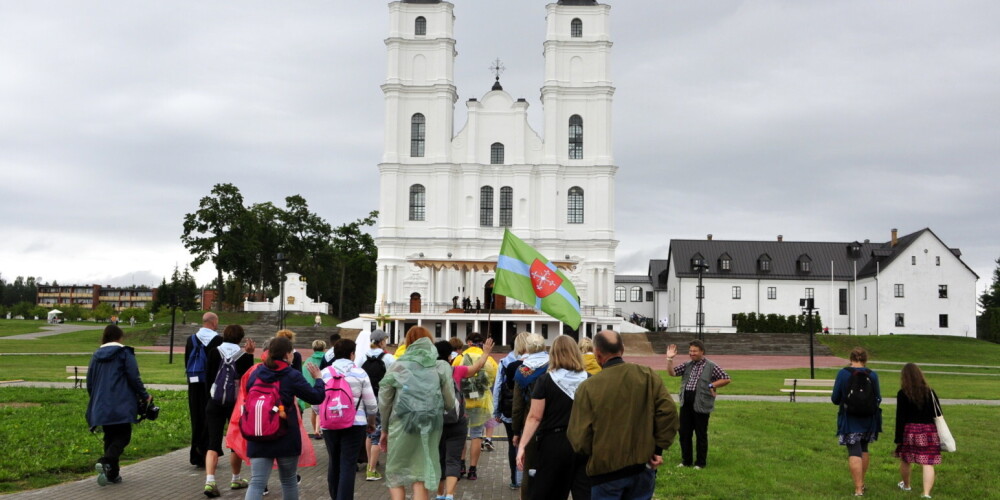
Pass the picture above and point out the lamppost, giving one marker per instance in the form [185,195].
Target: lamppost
[280,260]
[173,321]
[854,252]
[808,306]
[700,266]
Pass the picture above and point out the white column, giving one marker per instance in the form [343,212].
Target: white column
[503,332]
[431,296]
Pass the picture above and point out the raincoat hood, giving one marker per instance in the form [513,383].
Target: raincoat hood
[268,375]
[110,351]
[421,352]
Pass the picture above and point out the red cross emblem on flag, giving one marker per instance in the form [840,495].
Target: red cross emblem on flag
[544,280]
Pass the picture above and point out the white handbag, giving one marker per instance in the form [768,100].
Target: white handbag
[944,433]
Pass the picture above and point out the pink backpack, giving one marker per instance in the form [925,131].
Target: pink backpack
[337,410]
[262,418]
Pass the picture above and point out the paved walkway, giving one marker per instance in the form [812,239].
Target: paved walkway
[171,477]
[50,330]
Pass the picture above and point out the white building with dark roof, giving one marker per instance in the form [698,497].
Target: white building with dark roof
[914,284]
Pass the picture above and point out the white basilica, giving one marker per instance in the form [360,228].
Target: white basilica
[446,197]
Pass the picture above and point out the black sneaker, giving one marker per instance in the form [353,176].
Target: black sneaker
[266,491]
[462,472]
[472,474]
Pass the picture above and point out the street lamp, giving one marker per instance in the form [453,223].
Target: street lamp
[808,306]
[281,260]
[699,265]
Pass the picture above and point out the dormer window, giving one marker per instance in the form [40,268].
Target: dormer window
[725,262]
[803,263]
[420,26]
[764,263]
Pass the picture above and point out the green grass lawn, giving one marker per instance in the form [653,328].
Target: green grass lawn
[769,382]
[47,441]
[780,450]
[153,368]
[81,341]
[917,348]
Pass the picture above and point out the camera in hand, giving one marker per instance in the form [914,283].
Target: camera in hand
[148,410]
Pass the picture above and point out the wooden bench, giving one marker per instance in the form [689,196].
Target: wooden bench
[796,383]
[79,375]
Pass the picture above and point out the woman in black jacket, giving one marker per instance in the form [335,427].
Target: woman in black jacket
[286,449]
[115,390]
[216,413]
[917,439]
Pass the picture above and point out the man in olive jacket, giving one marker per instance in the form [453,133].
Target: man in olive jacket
[623,418]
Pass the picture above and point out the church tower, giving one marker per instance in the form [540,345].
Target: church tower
[420,85]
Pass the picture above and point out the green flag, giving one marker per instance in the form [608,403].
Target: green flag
[526,275]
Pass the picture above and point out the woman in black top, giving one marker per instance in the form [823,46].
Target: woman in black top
[559,470]
[916,435]
[216,414]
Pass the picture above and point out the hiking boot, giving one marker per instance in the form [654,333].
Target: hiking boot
[102,473]
[239,484]
[472,474]
[212,490]
[372,475]
[488,445]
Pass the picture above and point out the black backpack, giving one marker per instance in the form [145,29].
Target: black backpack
[860,400]
[506,403]
[455,416]
[375,369]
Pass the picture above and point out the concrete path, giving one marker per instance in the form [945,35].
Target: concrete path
[171,477]
[50,330]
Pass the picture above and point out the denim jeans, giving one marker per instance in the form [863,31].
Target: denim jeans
[260,471]
[637,487]
[343,447]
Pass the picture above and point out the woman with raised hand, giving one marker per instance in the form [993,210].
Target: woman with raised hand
[559,470]
[917,440]
[413,397]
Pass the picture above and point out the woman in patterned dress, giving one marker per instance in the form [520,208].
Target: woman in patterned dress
[917,439]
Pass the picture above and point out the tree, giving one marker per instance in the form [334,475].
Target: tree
[991,296]
[988,323]
[355,251]
[209,232]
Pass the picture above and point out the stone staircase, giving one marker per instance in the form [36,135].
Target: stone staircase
[263,329]
[774,344]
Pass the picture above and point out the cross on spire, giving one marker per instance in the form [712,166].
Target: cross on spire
[497,68]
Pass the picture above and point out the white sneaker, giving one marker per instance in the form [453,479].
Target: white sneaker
[697,467]
[903,487]
[681,465]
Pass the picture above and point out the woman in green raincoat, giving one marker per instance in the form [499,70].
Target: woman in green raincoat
[413,397]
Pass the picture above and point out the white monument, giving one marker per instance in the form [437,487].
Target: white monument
[294,297]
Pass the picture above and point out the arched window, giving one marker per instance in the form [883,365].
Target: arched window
[619,294]
[575,137]
[496,154]
[506,206]
[574,213]
[420,26]
[418,125]
[486,206]
[576,28]
[635,294]
[418,202]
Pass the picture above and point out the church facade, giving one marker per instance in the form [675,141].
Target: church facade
[445,198]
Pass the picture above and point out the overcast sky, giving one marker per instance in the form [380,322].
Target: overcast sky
[817,120]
